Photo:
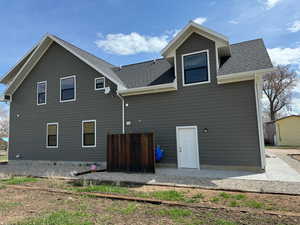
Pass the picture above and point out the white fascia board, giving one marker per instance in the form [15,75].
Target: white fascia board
[243,76]
[10,89]
[149,89]
[217,37]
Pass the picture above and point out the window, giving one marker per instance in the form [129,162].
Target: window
[52,135]
[41,93]
[99,83]
[67,89]
[196,68]
[89,133]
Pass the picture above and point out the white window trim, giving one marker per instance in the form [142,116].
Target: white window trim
[182,68]
[37,93]
[63,78]
[47,146]
[100,78]
[82,137]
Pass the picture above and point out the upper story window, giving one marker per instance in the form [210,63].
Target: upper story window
[41,92]
[89,133]
[195,68]
[99,83]
[52,135]
[68,89]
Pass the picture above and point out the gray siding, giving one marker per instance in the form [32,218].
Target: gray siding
[228,111]
[28,131]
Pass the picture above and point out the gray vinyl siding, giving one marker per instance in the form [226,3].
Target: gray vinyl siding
[228,111]
[28,131]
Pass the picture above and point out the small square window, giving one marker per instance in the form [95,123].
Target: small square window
[99,83]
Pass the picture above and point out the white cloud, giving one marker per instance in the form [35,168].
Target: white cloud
[200,20]
[285,55]
[295,27]
[133,43]
[233,21]
[271,3]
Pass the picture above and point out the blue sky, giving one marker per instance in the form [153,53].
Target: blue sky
[124,32]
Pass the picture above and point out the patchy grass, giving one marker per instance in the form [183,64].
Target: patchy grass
[62,217]
[102,189]
[20,180]
[174,213]
[8,205]
[225,222]
[254,204]
[167,195]
[129,209]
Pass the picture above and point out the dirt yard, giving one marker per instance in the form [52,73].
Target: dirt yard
[36,207]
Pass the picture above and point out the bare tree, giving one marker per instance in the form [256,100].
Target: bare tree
[3,122]
[278,86]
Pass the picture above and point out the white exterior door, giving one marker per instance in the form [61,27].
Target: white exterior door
[187,147]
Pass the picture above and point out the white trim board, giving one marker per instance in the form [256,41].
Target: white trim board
[63,78]
[178,144]
[149,89]
[95,136]
[182,68]
[258,93]
[37,94]
[190,28]
[55,123]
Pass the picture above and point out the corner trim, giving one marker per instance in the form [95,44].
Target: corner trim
[258,94]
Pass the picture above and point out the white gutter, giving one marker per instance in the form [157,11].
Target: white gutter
[123,112]
[149,89]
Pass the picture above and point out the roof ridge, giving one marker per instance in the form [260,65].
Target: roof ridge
[132,64]
[246,41]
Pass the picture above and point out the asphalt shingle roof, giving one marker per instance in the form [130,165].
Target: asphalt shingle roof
[246,56]
[146,73]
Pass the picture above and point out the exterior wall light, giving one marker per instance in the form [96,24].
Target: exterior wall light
[205,130]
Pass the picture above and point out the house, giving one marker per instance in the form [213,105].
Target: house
[201,99]
[288,131]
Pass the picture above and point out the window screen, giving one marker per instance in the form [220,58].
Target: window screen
[195,68]
[52,135]
[67,89]
[41,92]
[89,133]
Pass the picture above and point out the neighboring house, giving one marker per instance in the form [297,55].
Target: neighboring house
[288,131]
[201,100]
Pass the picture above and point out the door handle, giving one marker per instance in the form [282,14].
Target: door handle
[180,149]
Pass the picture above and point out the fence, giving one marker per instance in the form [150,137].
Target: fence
[131,152]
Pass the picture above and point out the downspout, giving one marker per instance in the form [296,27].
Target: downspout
[123,112]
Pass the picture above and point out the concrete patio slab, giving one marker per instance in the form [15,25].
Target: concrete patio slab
[278,178]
